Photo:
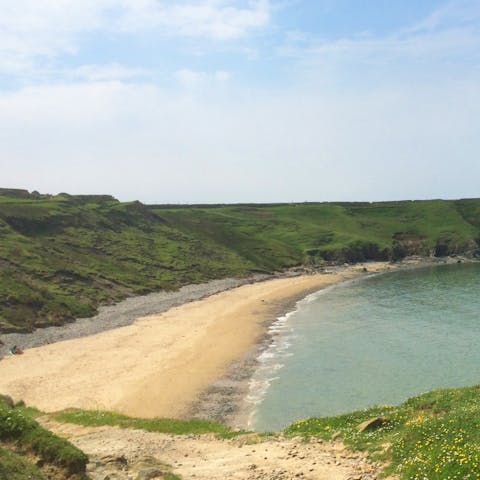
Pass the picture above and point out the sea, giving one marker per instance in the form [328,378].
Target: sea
[376,340]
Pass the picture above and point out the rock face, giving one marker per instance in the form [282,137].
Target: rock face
[372,424]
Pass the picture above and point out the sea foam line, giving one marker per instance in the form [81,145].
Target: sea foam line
[270,360]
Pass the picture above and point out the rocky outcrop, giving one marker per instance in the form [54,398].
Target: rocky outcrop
[372,424]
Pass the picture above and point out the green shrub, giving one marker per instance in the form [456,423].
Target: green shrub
[17,427]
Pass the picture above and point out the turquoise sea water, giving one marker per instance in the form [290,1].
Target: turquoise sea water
[376,340]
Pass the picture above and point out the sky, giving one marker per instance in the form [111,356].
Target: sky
[225,101]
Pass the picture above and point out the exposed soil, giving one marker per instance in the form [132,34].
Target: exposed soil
[124,454]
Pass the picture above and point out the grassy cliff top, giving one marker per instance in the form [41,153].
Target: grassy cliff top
[62,256]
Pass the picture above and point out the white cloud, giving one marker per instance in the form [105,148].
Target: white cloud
[222,76]
[189,78]
[449,36]
[193,78]
[141,141]
[217,19]
[108,72]
[42,29]
[462,12]
[107,129]
[410,54]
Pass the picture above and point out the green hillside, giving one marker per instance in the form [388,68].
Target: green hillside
[62,256]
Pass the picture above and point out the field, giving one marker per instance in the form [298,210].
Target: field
[62,256]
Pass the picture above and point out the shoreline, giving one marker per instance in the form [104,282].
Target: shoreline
[190,360]
[126,311]
[225,400]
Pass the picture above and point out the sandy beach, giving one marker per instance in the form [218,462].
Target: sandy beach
[161,364]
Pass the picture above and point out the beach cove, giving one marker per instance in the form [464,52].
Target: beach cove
[161,364]
[192,360]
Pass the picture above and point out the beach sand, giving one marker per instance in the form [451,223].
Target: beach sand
[161,364]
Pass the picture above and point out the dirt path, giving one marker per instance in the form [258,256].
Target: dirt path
[121,454]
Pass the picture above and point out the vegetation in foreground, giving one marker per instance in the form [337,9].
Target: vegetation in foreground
[14,467]
[62,256]
[24,436]
[98,418]
[434,436]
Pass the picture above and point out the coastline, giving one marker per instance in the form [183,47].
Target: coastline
[125,312]
[187,361]
[226,399]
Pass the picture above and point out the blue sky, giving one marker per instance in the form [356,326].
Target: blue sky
[234,101]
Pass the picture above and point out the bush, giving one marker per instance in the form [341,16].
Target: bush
[15,426]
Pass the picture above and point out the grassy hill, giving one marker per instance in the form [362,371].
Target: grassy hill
[62,256]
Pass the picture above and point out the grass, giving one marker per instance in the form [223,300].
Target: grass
[14,467]
[62,256]
[18,427]
[434,436]
[99,418]
[19,430]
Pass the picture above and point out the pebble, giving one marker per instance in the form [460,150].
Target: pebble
[124,313]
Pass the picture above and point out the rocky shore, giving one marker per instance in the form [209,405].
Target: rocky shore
[124,313]
[127,311]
